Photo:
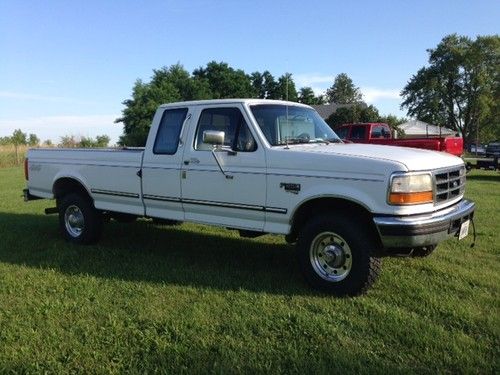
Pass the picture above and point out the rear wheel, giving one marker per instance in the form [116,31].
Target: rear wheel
[79,221]
[336,255]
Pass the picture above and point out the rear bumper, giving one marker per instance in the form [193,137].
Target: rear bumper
[423,230]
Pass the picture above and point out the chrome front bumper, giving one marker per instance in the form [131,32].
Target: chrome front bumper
[423,230]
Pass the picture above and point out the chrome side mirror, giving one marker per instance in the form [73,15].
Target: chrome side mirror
[213,137]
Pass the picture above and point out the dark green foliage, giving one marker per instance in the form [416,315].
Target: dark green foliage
[285,89]
[33,140]
[460,88]
[362,113]
[99,141]
[70,141]
[307,96]
[343,91]
[352,114]
[168,84]
[19,138]
[217,80]
[224,81]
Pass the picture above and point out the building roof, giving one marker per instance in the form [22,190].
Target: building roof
[326,110]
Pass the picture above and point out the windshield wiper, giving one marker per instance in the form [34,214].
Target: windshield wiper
[292,141]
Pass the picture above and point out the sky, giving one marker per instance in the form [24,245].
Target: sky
[67,66]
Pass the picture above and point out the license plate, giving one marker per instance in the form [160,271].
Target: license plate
[464,229]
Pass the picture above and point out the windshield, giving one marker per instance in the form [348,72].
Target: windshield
[283,124]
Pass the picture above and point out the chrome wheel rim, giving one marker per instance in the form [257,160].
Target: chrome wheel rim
[74,221]
[331,256]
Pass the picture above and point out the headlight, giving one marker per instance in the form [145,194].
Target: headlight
[411,189]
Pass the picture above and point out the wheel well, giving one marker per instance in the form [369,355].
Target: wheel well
[321,206]
[67,185]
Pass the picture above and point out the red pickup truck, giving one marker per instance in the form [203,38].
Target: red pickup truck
[380,133]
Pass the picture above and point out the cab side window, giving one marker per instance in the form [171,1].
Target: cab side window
[380,131]
[342,132]
[167,138]
[237,135]
[358,132]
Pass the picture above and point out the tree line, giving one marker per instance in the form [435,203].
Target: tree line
[218,80]
[460,87]
[459,90]
[19,138]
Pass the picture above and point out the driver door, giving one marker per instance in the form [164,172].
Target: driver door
[235,197]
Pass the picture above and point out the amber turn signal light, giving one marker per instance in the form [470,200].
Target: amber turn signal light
[411,198]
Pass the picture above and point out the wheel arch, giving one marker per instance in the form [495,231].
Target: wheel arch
[325,205]
[65,185]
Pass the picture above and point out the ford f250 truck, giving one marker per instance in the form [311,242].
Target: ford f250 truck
[262,166]
[381,134]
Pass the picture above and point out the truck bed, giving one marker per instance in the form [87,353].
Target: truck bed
[452,145]
[109,174]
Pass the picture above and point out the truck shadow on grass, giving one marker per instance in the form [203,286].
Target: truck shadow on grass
[188,255]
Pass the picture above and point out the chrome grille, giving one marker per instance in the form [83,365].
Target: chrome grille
[448,184]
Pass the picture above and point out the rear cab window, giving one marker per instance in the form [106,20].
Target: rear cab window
[167,138]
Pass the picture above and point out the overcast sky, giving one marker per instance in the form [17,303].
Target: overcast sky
[66,66]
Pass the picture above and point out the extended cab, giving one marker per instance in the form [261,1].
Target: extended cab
[262,166]
[381,134]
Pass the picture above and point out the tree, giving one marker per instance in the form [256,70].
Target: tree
[224,81]
[18,139]
[352,114]
[285,89]
[362,113]
[306,95]
[33,140]
[86,142]
[270,86]
[68,141]
[168,84]
[47,143]
[102,141]
[460,87]
[343,91]
[264,85]
[393,121]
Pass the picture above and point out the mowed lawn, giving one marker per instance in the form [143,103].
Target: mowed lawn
[196,299]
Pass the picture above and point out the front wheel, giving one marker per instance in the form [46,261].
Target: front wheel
[79,221]
[336,255]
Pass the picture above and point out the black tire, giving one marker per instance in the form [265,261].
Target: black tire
[79,221]
[336,255]
[421,252]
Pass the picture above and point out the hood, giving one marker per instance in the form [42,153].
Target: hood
[413,159]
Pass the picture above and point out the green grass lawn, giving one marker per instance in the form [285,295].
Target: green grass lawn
[196,299]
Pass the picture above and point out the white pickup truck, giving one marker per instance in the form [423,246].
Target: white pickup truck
[263,166]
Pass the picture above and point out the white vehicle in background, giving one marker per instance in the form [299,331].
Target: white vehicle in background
[262,166]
